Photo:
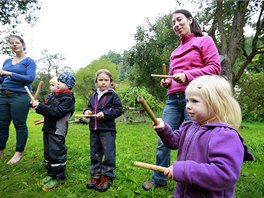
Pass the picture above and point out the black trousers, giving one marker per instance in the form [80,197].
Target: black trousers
[55,155]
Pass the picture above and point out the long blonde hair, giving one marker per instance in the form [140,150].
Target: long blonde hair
[218,94]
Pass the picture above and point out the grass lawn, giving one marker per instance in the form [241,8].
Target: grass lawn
[135,142]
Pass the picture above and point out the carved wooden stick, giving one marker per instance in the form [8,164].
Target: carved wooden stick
[36,122]
[40,85]
[164,69]
[30,95]
[150,166]
[161,76]
[144,104]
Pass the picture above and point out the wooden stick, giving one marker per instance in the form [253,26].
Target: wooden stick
[164,69]
[144,104]
[150,166]
[162,76]
[40,85]
[36,122]
[84,116]
[30,95]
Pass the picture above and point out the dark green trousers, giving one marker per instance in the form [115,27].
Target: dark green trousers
[14,107]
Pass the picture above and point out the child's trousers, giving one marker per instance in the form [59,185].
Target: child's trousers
[55,153]
[103,153]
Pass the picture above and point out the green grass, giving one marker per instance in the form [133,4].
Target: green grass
[135,142]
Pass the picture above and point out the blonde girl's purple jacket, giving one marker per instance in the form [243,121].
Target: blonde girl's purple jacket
[210,158]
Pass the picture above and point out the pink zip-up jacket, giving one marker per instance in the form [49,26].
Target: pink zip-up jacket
[195,56]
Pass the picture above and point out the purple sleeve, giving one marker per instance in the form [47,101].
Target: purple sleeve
[225,158]
[210,59]
[169,137]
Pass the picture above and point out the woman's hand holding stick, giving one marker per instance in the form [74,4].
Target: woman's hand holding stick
[141,100]
[150,166]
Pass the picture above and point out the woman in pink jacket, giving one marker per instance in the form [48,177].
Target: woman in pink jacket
[196,55]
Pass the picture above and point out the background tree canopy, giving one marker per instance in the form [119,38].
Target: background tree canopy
[12,13]
[227,22]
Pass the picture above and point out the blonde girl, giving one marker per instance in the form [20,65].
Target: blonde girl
[210,149]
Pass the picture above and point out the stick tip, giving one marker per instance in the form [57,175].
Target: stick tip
[140,98]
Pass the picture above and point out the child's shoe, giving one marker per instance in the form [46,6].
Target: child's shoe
[52,184]
[45,180]
[104,184]
[93,182]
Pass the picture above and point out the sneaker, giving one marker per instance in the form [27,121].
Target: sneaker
[104,184]
[45,180]
[52,184]
[151,185]
[93,182]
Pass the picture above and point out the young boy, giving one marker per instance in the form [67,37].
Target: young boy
[56,109]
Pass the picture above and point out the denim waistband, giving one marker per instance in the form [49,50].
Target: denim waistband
[180,93]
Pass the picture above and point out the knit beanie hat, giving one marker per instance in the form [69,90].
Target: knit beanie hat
[67,78]
[54,80]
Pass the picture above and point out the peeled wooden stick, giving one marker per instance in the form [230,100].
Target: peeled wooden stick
[144,104]
[84,116]
[40,85]
[150,166]
[30,95]
[36,122]
[164,69]
[162,76]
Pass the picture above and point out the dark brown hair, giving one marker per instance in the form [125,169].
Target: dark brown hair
[195,28]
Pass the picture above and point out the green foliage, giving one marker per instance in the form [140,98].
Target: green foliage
[80,103]
[45,88]
[114,57]
[251,97]
[129,97]
[154,44]
[85,77]
[134,142]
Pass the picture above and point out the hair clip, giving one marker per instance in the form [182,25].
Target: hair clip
[201,84]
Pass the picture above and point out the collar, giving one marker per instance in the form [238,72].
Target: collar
[63,91]
[187,38]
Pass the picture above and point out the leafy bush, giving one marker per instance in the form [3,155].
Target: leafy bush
[80,103]
[129,97]
[250,96]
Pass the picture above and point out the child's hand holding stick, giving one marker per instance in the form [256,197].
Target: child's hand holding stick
[33,102]
[30,95]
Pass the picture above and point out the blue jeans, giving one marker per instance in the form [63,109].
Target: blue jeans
[14,107]
[174,114]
